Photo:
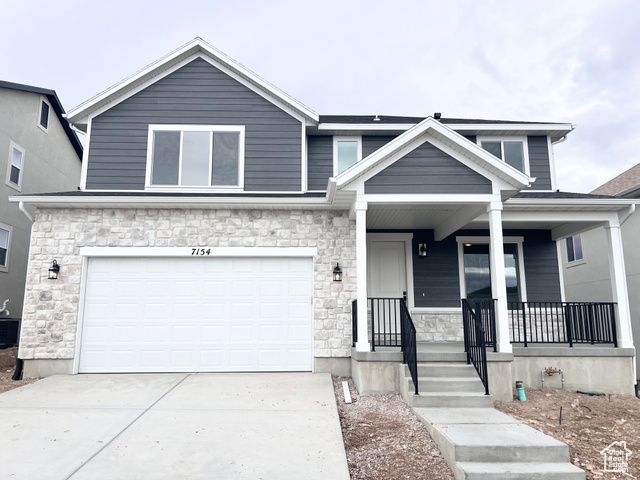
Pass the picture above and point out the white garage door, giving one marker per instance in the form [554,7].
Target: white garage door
[197,315]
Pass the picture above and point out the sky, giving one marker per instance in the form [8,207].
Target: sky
[569,61]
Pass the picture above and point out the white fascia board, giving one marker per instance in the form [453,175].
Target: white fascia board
[515,127]
[428,198]
[547,216]
[365,126]
[193,47]
[179,202]
[412,139]
[188,252]
[614,203]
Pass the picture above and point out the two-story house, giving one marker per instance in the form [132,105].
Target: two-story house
[39,152]
[221,225]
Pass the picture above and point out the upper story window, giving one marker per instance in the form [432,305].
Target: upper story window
[347,151]
[195,156]
[15,166]
[513,150]
[574,248]
[5,241]
[43,117]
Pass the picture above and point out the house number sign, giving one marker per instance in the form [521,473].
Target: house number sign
[200,251]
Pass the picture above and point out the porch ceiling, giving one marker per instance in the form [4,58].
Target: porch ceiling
[418,217]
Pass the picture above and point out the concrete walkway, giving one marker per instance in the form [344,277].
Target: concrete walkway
[173,426]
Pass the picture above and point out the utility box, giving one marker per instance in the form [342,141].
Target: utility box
[9,329]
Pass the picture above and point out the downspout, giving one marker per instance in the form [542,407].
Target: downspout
[632,209]
[24,210]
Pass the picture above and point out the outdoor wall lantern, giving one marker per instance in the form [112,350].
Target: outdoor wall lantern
[337,273]
[422,249]
[53,271]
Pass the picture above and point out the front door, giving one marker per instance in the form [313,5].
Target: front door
[387,269]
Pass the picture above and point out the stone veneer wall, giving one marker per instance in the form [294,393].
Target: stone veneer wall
[438,326]
[51,306]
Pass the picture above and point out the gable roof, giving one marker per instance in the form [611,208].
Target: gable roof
[196,47]
[57,107]
[627,183]
[444,134]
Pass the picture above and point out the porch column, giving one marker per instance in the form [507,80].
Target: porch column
[362,345]
[498,281]
[619,284]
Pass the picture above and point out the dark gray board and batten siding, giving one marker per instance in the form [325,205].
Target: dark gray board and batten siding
[436,278]
[427,169]
[539,162]
[319,161]
[196,94]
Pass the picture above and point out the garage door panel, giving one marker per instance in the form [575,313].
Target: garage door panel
[197,314]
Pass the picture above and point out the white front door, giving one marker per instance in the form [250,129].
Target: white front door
[386,269]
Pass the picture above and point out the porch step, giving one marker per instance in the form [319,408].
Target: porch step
[449,399]
[483,443]
[521,471]
[427,356]
[450,384]
[446,370]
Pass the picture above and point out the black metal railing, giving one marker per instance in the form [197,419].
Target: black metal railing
[474,342]
[487,311]
[385,322]
[390,326]
[409,343]
[562,322]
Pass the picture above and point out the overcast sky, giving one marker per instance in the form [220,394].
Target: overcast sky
[572,61]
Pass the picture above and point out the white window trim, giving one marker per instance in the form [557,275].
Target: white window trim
[486,240]
[577,261]
[17,187]
[525,148]
[337,139]
[43,99]
[4,226]
[195,128]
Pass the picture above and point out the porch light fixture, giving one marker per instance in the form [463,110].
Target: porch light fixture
[422,249]
[53,271]
[337,273]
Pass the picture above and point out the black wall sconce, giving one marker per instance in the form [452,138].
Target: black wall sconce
[337,273]
[54,270]
[422,250]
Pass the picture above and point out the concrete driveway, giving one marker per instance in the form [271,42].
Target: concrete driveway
[173,426]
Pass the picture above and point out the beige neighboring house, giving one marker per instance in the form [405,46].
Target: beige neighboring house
[585,262]
[39,152]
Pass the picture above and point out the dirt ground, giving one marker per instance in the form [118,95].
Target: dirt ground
[589,425]
[384,440]
[7,367]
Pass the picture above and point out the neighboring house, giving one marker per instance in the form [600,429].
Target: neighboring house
[586,269]
[215,212]
[39,152]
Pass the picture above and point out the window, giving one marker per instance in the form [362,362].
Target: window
[44,114]
[196,156]
[15,166]
[512,150]
[574,248]
[5,241]
[347,151]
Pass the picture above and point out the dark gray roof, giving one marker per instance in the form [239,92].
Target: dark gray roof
[391,119]
[57,107]
[561,195]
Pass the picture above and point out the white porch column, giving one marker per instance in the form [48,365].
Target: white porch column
[362,345]
[498,281]
[619,284]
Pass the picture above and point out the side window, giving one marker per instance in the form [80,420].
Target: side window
[5,242]
[511,151]
[43,117]
[574,248]
[347,151]
[15,166]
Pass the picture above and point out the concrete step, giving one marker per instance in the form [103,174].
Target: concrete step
[446,369]
[450,399]
[437,356]
[521,471]
[504,443]
[455,384]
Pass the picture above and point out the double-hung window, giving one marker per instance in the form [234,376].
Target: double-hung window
[5,242]
[43,117]
[512,151]
[574,248]
[347,151]
[15,166]
[195,156]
